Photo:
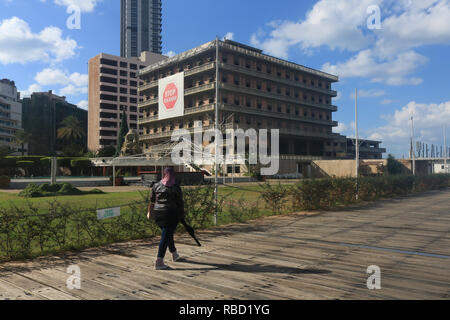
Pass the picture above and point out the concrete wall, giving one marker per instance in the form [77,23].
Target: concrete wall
[333,168]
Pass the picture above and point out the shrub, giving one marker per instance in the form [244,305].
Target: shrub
[24,164]
[80,163]
[6,163]
[4,181]
[48,190]
[327,193]
[274,196]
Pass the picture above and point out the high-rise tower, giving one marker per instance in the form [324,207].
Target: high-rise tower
[140,27]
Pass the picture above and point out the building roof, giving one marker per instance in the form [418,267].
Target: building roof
[238,47]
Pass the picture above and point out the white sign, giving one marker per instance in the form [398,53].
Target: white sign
[171,96]
[108,213]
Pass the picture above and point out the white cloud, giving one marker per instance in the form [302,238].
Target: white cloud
[84,5]
[384,56]
[386,101]
[72,90]
[229,36]
[341,128]
[74,84]
[394,71]
[335,24]
[31,89]
[170,54]
[372,93]
[18,44]
[83,104]
[429,120]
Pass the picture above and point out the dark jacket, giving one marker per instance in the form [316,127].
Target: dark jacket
[168,204]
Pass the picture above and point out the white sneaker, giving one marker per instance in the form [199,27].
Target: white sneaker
[159,264]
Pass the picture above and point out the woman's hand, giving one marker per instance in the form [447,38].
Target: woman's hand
[148,214]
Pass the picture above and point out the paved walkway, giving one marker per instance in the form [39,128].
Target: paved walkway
[321,256]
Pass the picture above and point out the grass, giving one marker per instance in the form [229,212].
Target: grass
[250,194]
[90,200]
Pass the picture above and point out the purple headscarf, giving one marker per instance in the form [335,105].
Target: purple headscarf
[169,177]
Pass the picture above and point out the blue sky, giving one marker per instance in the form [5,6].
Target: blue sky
[399,69]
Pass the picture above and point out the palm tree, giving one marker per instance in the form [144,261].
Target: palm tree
[71,129]
[22,138]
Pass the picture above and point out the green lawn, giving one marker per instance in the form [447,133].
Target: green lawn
[250,193]
[88,201]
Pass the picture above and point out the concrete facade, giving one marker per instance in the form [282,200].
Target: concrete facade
[255,91]
[10,115]
[113,87]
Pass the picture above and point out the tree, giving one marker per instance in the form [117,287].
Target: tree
[22,138]
[70,129]
[122,133]
[106,152]
[393,166]
[5,150]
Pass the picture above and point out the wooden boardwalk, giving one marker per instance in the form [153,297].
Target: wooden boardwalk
[314,256]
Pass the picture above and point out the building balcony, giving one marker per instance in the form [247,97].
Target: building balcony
[277,115]
[352,149]
[187,73]
[168,133]
[187,92]
[187,111]
[273,96]
[273,78]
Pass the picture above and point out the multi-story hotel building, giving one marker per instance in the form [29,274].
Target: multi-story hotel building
[113,88]
[255,90]
[140,27]
[10,115]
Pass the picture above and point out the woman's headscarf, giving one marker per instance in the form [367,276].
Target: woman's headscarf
[169,177]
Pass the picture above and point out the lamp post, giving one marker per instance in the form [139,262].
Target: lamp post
[413,153]
[356,141]
[216,162]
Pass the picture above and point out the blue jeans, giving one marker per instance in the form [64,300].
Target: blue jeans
[167,241]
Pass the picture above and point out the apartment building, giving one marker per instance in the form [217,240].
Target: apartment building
[255,90]
[10,115]
[113,88]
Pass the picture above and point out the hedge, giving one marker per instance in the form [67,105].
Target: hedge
[80,163]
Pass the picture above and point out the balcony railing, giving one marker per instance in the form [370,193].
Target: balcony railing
[187,111]
[187,73]
[259,93]
[273,78]
[270,114]
[187,92]
[169,133]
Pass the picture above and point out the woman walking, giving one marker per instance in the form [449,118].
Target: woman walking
[167,209]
